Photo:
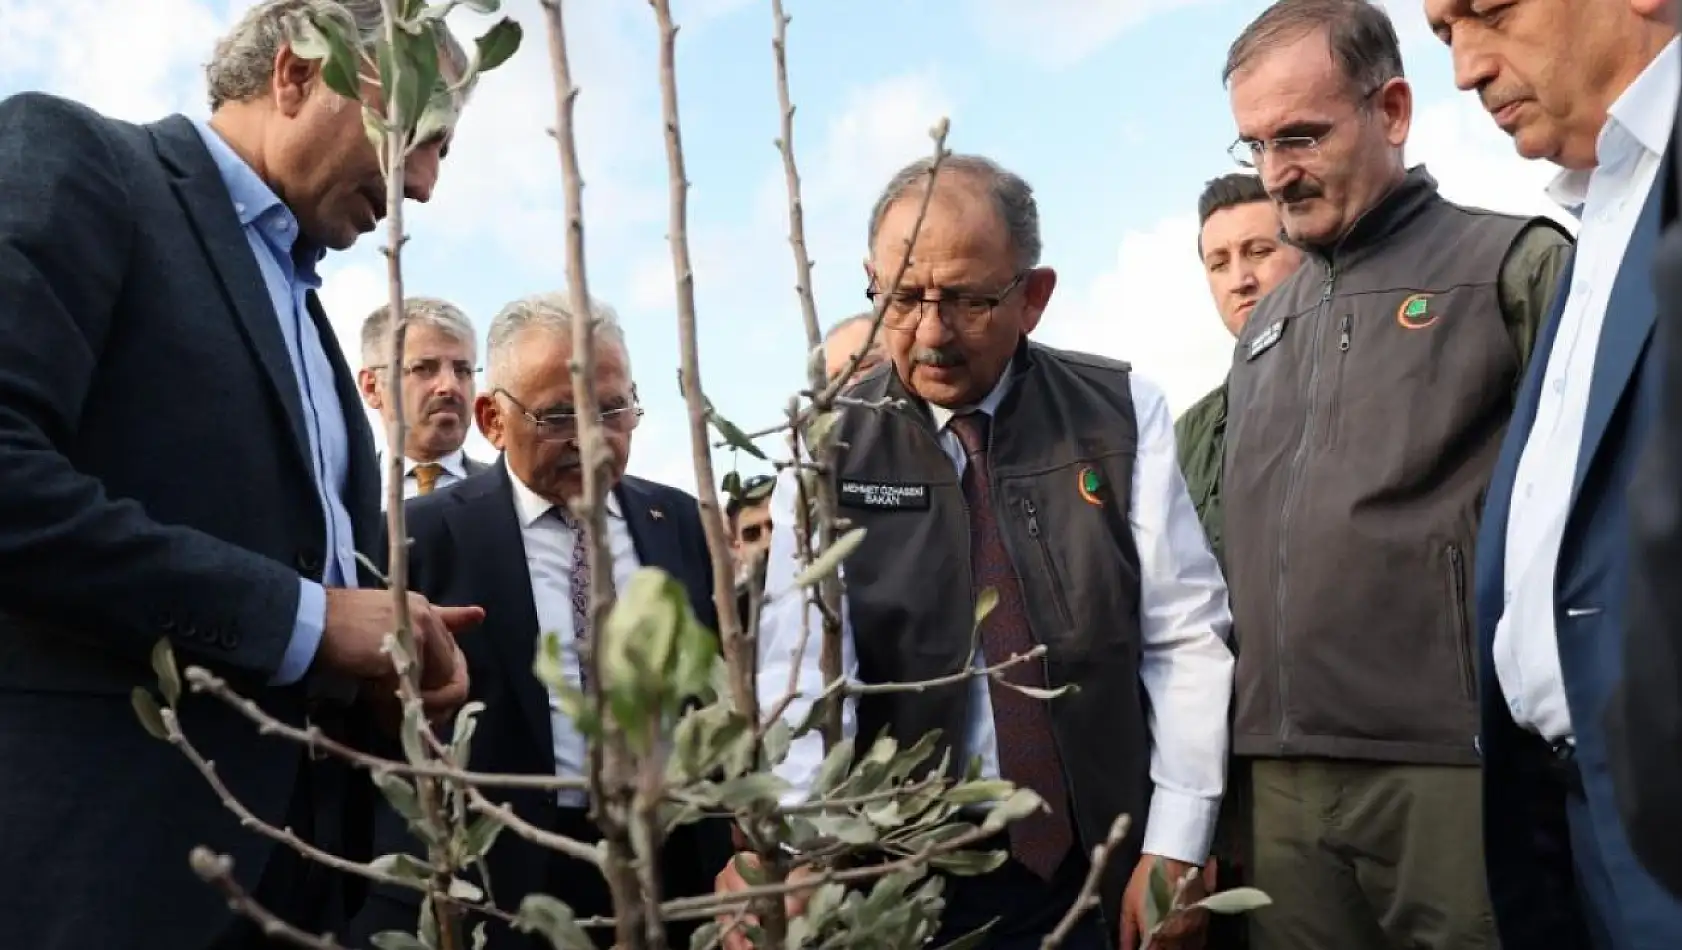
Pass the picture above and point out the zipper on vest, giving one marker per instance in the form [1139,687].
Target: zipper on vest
[1293,485]
[1343,336]
[1058,597]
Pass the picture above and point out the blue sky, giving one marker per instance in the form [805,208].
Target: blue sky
[1112,109]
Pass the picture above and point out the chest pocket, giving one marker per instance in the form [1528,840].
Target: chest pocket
[1070,537]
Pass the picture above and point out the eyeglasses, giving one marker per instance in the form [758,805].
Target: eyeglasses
[961,312]
[1250,153]
[428,369]
[561,425]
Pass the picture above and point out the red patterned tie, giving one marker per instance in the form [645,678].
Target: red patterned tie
[1027,749]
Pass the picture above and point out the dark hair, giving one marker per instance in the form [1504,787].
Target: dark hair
[1360,34]
[1227,191]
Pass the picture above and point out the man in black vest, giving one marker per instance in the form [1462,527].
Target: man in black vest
[1051,478]
[1366,403]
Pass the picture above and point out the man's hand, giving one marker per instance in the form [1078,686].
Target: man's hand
[357,624]
[730,881]
[1185,930]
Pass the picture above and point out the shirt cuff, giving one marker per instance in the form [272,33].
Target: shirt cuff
[1181,826]
[306,634]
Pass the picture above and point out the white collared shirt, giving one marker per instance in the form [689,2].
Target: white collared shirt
[454,470]
[548,544]
[1185,666]
[1608,200]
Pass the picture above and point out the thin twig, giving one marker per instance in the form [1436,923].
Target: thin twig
[217,870]
[608,755]
[570,847]
[1087,898]
[201,680]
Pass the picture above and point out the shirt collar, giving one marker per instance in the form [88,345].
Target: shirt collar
[256,204]
[1643,115]
[531,506]
[454,463]
[988,405]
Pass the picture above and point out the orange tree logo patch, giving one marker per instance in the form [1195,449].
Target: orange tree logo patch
[1415,312]
[1089,484]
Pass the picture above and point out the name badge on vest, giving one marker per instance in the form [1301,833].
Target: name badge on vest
[881,496]
[1263,343]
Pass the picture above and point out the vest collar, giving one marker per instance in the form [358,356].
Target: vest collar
[1410,197]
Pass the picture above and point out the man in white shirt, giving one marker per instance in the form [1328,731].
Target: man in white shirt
[505,539]
[1049,477]
[1592,86]
[439,353]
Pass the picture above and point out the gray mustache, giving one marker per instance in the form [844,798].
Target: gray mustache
[930,357]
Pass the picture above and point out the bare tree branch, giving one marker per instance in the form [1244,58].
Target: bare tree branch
[217,870]
[1087,898]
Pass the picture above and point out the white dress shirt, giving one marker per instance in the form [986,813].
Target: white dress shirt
[454,470]
[548,544]
[1608,200]
[1185,666]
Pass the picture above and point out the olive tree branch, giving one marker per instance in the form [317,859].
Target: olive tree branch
[217,870]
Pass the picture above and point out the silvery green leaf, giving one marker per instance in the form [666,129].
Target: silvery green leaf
[705,936]
[1021,803]
[169,677]
[497,44]
[1159,899]
[820,429]
[400,794]
[481,939]
[981,791]
[746,791]
[410,732]
[968,863]
[554,921]
[150,715]
[1239,900]
[465,890]
[984,603]
[777,739]
[481,833]
[403,866]
[833,769]
[731,433]
[829,561]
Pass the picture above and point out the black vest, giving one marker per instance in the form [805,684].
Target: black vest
[1063,445]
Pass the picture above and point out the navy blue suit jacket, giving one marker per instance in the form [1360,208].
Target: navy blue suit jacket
[154,482]
[1528,846]
[466,547]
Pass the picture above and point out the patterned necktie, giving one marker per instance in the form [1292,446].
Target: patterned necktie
[1027,750]
[578,585]
[426,476]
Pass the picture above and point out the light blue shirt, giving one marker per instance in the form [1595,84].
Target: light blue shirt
[272,231]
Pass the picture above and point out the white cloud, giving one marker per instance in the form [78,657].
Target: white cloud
[135,61]
[1058,34]
[1152,308]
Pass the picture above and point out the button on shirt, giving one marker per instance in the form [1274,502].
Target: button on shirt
[272,232]
[1185,666]
[549,545]
[1608,200]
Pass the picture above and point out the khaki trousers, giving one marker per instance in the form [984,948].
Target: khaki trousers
[1368,856]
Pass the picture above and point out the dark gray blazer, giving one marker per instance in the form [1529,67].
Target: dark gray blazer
[154,483]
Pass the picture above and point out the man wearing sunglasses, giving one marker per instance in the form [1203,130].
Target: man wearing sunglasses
[1366,403]
[506,540]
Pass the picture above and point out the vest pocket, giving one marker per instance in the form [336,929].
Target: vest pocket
[1053,578]
[1457,619]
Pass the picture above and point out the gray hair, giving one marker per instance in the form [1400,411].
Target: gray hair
[418,311]
[1011,195]
[551,311]
[242,65]
[1362,39]
[868,316]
